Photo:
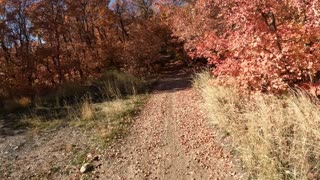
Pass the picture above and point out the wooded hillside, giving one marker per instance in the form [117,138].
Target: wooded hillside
[46,43]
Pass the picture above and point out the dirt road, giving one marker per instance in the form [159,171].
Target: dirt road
[170,139]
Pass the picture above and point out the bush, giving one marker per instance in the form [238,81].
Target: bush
[267,46]
[15,104]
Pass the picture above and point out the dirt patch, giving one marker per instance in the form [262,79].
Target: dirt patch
[59,150]
[44,156]
[169,139]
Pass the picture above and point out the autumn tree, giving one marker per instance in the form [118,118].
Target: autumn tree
[47,43]
[143,36]
[18,63]
[265,45]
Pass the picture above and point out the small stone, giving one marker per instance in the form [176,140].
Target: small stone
[89,156]
[287,172]
[86,167]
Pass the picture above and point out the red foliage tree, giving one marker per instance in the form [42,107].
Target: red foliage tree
[266,45]
[46,43]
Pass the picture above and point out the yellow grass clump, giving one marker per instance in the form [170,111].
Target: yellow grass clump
[86,110]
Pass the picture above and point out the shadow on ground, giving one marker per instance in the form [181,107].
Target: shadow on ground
[173,84]
[173,77]
[12,124]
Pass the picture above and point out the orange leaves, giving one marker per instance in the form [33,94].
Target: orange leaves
[266,45]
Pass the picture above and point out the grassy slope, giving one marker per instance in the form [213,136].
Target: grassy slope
[276,137]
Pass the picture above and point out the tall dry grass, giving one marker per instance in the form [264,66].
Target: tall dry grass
[111,85]
[114,84]
[86,110]
[276,137]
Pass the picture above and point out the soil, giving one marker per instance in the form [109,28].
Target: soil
[169,139]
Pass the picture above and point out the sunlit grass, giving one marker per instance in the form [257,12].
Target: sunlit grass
[276,137]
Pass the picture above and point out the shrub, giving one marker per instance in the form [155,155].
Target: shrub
[266,46]
[10,105]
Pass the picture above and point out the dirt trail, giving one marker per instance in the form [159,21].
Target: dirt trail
[170,139]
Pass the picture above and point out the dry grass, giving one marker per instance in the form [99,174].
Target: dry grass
[75,103]
[38,124]
[86,110]
[108,120]
[111,85]
[114,84]
[118,117]
[276,137]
